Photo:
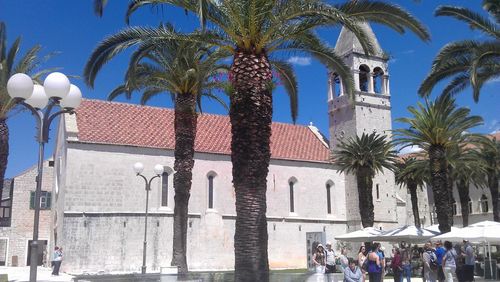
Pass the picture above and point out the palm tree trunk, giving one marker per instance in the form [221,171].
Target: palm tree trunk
[251,115]
[463,194]
[4,151]
[365,187]
[439,183]
[412,186]
[185,133]
[493,184]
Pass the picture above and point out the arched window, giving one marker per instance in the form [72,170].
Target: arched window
[378,80]
[484,203]
[292,203]
[470,206]
[210,191]
[164,188]
[329,186]
[364,71]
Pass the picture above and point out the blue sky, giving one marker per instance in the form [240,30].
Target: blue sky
[71,28]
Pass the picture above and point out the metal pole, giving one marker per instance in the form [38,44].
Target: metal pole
[34,242]
[145,230]
[491,266]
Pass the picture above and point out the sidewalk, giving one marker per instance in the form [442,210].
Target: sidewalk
[23,274]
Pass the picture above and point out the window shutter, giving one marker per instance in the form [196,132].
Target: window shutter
[32,200]
[49,200]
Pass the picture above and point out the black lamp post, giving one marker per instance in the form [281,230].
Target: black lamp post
[138,168]
[41,100]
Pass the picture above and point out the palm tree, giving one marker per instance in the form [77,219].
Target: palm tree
[412,172]
[469,62]
[365,156]
[186,71]
[253,30]
[436,127]
[466,169]
[490,154]
[11,64]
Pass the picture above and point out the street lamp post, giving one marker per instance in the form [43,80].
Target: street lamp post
[56,91]
[138,168]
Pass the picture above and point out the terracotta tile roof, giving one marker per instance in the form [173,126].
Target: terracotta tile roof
[143,126]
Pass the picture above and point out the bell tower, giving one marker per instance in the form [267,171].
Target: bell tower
[369,111]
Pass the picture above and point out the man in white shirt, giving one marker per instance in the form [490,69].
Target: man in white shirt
[330,258]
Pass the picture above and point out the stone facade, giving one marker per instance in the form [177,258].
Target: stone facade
[20,232]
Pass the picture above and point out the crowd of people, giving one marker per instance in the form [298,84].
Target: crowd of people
[443,262]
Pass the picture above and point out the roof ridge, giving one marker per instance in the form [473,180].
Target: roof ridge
[171,109]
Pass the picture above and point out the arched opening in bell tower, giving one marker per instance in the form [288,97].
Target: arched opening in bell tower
[378,81]
[364,71]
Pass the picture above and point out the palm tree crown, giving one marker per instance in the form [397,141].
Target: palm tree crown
[372,152]
[468,62]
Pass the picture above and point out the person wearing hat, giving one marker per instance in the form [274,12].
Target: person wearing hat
[330,258]
[319,259]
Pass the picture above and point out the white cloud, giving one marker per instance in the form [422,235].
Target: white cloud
[409,150]
[301,61]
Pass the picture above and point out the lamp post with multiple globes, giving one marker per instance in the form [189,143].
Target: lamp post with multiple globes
[158,169]
[41,100]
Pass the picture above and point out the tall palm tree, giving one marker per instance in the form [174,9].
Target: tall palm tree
[365,156]
[186,71]
[412,172]
[253,30]
[436,127]
[489,152]
[10,64]
[468,62]
[466,169]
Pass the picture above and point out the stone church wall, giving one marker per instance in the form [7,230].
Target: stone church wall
[104,203]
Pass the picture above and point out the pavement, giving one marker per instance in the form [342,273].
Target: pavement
[23,274]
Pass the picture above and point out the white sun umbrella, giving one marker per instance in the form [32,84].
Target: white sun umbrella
[435,228]
[407,233]
[485,232]
[364,235]
[481,232]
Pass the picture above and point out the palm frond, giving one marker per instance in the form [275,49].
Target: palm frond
[475,20]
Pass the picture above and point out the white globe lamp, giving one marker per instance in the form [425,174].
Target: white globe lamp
[56,85]
[158,169]
[20,85]
[138,168]
[38,99]
[73,99]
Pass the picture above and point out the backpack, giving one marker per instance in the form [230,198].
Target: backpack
[432,260]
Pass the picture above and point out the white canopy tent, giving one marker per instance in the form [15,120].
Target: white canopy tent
[363,235]
[485,232]
[407,233]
